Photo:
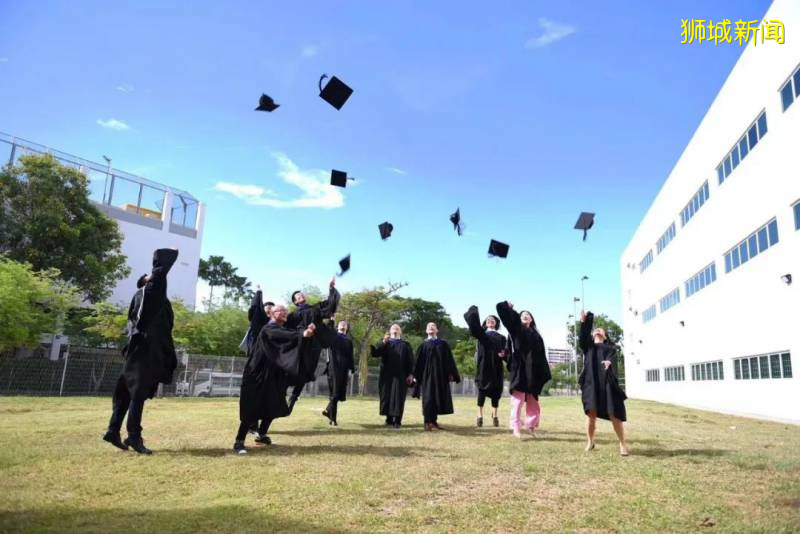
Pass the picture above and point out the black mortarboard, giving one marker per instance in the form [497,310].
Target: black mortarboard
[385,229]
[265,103]
[585,221]
[496,248]
[335,92]
[455,218]
[344,265]
[339,178]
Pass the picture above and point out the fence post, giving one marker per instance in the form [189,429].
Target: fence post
[63,374]
[230,379]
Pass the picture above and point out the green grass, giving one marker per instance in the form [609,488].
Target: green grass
[686,466]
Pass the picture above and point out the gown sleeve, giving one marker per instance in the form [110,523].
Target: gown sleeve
[585,336]
[474,323]
[451,361]
[510,318]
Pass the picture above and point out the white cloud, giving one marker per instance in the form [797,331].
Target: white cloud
[314,184]
[125,88]
[113,124]
[551,32]
[396,170]
[310,51]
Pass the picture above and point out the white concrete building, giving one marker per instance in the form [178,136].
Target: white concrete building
[138,207]
[710,310]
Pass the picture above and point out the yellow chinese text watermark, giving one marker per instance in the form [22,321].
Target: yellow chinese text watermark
[699,30]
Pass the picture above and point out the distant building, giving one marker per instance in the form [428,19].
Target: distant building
[150,216]
[707,279]
[557,356]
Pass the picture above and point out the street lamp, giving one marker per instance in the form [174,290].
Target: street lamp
[583,294]
[108,175]
[575,301]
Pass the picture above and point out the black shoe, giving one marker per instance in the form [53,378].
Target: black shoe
[333,423]
[480,422]
[396,425]
[264,440]
[137,444]
[326,414]
[115,439]
[388,422]
[495,421]
[239,447]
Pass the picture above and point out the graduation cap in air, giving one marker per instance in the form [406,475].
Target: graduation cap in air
[386,230]
[455,218]
[344,265]
[498,249]
[339,178]
[335,92]
[265,103]
[585,221]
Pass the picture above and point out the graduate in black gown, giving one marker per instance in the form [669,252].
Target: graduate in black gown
[600,392]
[490,354]
[434,369]
[397,364]
[340,365]
[149,353]
[252,396]
[528,368]
[278,357]
[304,315]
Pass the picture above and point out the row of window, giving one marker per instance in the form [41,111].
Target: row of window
[763,366]
[777,365]
[646,261]
[755,132]
[752,245]
[695,204]
[670,299]
[708,371]
[665,238]
[649,314]
[791,89]
[702,279]
[673,374]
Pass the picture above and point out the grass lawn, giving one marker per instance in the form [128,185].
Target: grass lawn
[686,466]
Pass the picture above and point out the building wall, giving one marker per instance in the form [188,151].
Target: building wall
[141,239]
[750,310]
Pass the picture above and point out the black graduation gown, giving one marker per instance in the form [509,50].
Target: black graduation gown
[150,351]
[527,364]
[600,389]
[340,362]
[433,370]
[278,356]
[489,364]
[300,319]
[397,363]
[252,395]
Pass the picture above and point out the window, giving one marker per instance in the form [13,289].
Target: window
[708,371]
[665,238]
[701,280]
[752,245]
[694,204]
[653,375]
[646,261]
[649,314]
[790,91]
[763,366]
[670,299]
[673,374]
[796,209]
[743,146]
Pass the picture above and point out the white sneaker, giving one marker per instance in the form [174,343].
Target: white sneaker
[517,434]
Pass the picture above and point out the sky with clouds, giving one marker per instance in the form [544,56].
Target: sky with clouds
[523,114]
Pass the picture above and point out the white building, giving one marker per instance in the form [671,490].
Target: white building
[137,205]
[710,312]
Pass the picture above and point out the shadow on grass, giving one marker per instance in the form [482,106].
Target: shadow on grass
[670,453]
[300,450]
[202,519]
[376,429]
[580,437]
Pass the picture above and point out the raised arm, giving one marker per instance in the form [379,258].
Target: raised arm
[509,317]
[585,336]
[473,319]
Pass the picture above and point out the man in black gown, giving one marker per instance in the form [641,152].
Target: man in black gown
[397,364]
[434,370]
[149,354]
[340,365]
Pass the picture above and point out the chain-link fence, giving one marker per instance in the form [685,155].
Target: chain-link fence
[88,371]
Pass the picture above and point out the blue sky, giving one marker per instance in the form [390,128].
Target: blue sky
[522,113]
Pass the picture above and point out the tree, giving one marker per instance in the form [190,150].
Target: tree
[49,222]
[368,311]
[214,271]
[107,324]
[31,303]
[464,354]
